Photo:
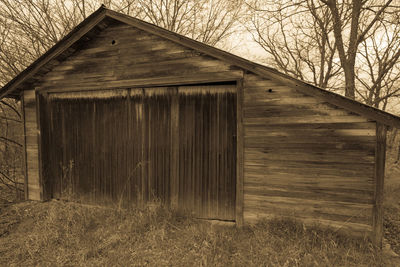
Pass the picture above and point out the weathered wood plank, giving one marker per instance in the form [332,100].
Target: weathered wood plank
[306,119]
[174,176]
[270,132]
[140,57]
[316,190]
[335,211]
[31,145]
[358,229]
[148,82]
[122,70]
[25,157]
[257,111]
[40,147]
[308,155]
[262,143]
[333,171]
[365,141]
[240,153]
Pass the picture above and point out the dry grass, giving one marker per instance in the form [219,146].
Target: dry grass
[63,233]
[392,209]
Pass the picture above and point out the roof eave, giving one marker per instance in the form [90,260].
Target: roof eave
[73,36]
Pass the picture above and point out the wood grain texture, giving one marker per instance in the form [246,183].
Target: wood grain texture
[379,182]
[120,56]
[33,187]
[174,168]
[25,159]
[289,137]
[175,145]
[40,147]
[305,158]
[207,151]
[240,154]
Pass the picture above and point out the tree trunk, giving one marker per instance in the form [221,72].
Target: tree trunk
[349,80]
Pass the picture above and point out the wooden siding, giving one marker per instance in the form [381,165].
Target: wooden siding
[302,157]
[207,151]
[134,57]
[305,158]
[380,156]
[31,145]
[119,146]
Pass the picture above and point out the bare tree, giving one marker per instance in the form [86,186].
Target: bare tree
[11,147]
[364,15]
[349,23]
[298,38]
[31,27]
[208,21]
[378,69]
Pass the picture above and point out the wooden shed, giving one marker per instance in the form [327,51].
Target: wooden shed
[121,109]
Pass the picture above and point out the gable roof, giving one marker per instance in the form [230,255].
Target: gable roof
[98,21]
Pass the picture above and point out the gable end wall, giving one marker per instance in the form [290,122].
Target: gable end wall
[122,56]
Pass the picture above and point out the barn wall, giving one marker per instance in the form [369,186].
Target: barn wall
[123,57]
[31,145]
[305,158]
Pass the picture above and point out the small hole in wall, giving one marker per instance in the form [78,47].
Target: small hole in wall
[113,42]
[269,90]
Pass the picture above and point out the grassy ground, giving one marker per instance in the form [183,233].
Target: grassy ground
[392,209]
[63,233]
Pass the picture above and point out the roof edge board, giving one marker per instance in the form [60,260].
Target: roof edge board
[57,49]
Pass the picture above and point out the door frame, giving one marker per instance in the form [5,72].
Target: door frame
[239,201]
[239,153]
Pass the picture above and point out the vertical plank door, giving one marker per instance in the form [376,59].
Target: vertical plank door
[207,151]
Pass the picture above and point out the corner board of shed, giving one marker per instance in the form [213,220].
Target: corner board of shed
[33,188]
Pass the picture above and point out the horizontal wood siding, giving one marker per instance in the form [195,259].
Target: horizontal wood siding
[31,145]
[305,158]
[121,55]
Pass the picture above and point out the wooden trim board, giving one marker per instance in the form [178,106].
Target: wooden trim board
[39,142]
[197,79]
[380,156]
[25,157]
[175,148]
[239,153]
